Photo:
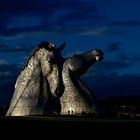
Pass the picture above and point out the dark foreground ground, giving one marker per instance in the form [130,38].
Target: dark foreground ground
[70,126]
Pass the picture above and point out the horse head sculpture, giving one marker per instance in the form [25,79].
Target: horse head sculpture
[39,82]
[77,97]
[49,84]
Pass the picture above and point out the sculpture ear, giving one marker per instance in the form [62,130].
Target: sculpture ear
[61,47]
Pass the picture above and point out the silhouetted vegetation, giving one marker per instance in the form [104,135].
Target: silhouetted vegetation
[121,106]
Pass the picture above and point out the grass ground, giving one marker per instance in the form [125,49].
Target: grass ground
[67,127]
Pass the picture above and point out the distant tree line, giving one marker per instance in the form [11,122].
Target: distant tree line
[118,106]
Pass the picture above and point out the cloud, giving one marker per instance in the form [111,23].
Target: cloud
[24,21]
[15,7]
[4,48]
[114,85]
[130,23]
[68,17]
[37,16]
[129,58]
[9,68]
[111,65]
[3,62]
[8,75]
[120,62]
[113,47]
[95,32]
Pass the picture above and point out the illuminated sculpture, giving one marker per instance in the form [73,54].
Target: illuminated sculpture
[50,84]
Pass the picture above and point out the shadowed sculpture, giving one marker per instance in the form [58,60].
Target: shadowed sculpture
[50,84]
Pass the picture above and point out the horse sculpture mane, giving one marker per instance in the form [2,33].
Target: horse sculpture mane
[44,45]
[50,84]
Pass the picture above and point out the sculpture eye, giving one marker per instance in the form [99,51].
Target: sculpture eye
[98,52]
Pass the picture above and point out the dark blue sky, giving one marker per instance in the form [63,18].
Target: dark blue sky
[111,25]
